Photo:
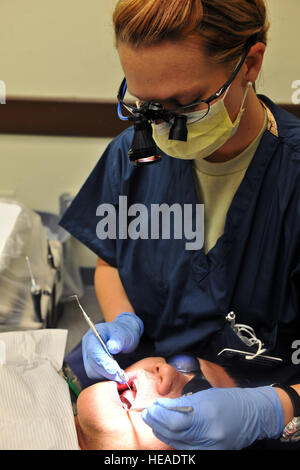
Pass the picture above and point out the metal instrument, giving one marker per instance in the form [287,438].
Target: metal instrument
[121,372]
[36,292]
[180,409]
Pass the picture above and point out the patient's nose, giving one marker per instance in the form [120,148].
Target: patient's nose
[156,368]
[160,368]
[163,374]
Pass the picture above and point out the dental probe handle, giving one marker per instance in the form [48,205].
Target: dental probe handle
[93,328]
[121,373]
[180,409]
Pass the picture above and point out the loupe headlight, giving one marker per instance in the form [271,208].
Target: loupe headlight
[143,149]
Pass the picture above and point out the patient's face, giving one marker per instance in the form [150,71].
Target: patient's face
[103,423]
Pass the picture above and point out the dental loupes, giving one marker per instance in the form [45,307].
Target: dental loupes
[121,372]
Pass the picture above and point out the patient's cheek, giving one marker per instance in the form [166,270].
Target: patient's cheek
[146,390]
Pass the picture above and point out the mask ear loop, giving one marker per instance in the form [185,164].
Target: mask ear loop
[249,84]
[245,94]
[242,109]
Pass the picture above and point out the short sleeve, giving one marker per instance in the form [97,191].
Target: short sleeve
[101,188]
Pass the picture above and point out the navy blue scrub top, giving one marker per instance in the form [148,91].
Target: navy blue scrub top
[183,296]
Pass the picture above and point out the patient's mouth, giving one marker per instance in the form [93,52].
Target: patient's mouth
[127,396]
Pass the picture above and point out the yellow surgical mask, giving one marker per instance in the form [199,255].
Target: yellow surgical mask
[205,134]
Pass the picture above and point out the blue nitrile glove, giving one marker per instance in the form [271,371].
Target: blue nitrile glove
[223,418]
[121,335]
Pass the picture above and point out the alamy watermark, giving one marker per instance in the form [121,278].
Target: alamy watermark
[296,354]
[296,94]
[160,217]
[2,92]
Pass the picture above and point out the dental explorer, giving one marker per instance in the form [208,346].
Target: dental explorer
[121,372]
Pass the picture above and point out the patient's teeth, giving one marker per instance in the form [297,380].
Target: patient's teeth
[125,402]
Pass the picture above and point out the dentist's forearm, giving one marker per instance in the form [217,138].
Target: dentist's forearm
[110,292]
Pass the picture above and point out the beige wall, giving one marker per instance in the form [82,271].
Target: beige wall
[282,60]
[59,48]
[64,48]
[37,170]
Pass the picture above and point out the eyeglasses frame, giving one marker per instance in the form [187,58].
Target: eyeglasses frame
[171,113]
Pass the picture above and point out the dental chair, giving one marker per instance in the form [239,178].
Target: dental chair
[35,407]
[30,270]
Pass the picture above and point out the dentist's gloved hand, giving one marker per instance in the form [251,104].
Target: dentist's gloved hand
[121,335]
[223,418]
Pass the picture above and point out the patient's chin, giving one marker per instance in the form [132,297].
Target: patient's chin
[104,425]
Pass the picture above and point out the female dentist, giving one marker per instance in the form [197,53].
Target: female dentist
[236,300]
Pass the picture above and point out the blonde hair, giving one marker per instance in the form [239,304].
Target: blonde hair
[225,26]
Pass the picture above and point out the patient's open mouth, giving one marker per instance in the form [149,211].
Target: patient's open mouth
[127,396]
